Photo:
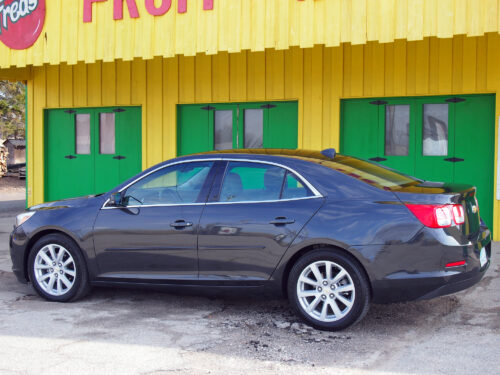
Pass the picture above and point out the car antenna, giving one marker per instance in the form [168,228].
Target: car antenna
[329,153]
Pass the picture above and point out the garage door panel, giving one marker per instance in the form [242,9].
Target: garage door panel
[474,135]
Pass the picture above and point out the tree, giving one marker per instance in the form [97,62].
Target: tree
[12,109]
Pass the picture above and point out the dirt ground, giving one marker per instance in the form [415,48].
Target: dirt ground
[9,184]
[126,331]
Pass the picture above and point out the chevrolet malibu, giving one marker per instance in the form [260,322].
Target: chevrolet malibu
[332,233]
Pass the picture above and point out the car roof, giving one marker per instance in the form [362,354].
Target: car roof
[277,152]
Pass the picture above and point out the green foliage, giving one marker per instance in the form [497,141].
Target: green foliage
[12,109]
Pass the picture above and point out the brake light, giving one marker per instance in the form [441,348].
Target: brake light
[458,214]
[438,216]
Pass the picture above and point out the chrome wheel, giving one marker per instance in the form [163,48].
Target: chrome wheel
[54,269]
[325,291]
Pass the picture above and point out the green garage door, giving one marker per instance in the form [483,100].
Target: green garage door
[207,127]
[91,150]
[448,139]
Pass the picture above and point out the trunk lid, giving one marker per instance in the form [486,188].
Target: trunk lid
[428,192]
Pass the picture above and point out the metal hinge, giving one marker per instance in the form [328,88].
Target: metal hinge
[208,108]
[118,110]
[454,160]
[455,100]
[267,106]
[70,157]
[70,111]
[119,157]
[377,159]
[378,102]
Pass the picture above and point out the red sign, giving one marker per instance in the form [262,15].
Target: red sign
[21,22]
[158,8]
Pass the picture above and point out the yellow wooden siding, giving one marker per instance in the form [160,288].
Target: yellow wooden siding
[317,77]
[236,25]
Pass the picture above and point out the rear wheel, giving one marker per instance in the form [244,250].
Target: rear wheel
[57,269]
[328,290]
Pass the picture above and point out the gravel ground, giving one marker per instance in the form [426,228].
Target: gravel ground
[140,332]
[10,184]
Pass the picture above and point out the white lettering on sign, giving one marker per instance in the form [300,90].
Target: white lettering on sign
[15,11]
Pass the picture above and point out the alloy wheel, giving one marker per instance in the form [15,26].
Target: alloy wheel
[55,270]
[326,291]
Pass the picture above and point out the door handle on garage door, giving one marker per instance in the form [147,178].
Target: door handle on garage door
[179,224]
[281,220]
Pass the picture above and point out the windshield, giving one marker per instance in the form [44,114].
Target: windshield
[371,173]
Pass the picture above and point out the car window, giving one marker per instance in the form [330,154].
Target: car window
[294,188]
[252,182]
[177,184]
[376,175]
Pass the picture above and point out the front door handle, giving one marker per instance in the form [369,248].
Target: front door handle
[281,220]
[179,224]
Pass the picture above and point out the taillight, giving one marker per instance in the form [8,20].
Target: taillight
[458,214]
[438,216]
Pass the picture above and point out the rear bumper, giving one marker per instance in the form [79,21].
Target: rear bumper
[418,284]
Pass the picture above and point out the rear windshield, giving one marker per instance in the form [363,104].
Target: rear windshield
[371,173]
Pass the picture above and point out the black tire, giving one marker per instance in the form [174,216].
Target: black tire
[80,285]
[360,282]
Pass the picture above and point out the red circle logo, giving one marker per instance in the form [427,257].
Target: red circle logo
[21,22]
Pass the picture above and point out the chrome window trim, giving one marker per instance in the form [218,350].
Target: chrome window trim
[316,193]
[269,201]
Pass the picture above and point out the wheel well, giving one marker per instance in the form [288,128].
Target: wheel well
[33,241]
[309,248]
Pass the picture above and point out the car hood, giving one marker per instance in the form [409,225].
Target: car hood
[65,203]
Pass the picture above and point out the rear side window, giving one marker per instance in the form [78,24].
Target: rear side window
[257,182]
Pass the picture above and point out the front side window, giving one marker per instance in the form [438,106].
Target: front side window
[256,182]
[177,184]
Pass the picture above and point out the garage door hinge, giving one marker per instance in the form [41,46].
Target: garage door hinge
[377,159]
[455,100]
[70,157]
[119,157]
[70,111]
[454,160]
[118,110]
[267,106]
[208,108]
[378,102]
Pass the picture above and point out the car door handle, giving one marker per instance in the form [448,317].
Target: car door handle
[281,220]
[178,224]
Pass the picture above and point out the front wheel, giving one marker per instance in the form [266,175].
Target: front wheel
[57,269]
[328,290]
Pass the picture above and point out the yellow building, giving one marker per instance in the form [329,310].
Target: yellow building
[115,86]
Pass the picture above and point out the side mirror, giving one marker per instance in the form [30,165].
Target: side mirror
[116,199]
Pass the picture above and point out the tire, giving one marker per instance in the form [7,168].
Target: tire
[70,275]
[351,287]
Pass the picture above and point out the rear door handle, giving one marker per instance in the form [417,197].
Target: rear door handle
[281,220]
[179,224]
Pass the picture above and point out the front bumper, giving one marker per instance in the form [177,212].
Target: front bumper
[17,243]
[408,285]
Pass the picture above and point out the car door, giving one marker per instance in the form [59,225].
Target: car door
[257,211]
[154,234]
